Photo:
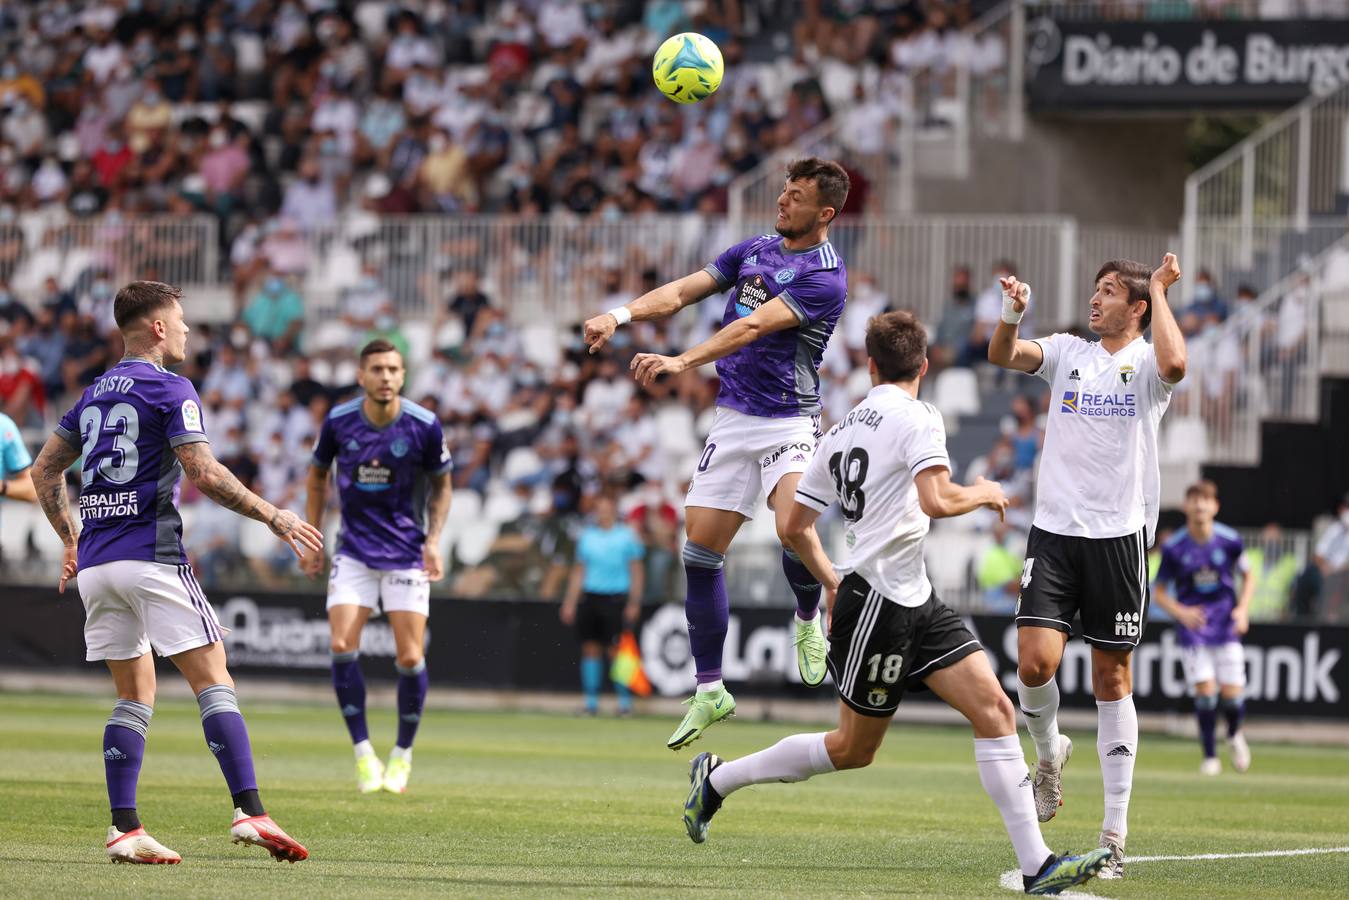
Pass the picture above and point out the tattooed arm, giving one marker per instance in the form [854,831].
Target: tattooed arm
[49,480]
[437,508]
[219,483]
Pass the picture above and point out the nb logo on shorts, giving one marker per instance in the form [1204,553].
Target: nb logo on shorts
[1127,624]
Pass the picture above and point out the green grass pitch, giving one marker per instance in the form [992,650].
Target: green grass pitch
[537,805]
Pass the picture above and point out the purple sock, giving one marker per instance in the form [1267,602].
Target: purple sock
[804,585]
[123,750]
[1235,712]
[412,685]
[227,736]
[350,687]
[1206,710]
[706,608]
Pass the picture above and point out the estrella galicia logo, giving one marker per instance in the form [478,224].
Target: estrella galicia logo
[752,294]
[399,448]
[782,276]
[373,476]
[1069,402]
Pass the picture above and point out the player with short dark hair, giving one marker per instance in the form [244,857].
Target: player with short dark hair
[1196,585]
[786,293]
[139,427]
[393,483]
[1098,491]
[885,464]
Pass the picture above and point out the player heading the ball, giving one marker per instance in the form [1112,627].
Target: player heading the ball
[139,427]
[786,293]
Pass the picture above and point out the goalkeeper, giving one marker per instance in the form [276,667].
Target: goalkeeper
[604,596]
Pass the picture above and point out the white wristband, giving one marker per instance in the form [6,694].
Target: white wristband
[1009,313]
[622,315]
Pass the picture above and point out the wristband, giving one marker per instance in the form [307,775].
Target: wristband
[622,315]
[1009,313]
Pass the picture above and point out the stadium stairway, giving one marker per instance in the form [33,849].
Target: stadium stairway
[1277,490]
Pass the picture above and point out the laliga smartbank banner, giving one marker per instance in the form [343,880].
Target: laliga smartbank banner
[1291,670]
[1108,66]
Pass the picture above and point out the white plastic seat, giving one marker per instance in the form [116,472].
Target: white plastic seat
[956,393]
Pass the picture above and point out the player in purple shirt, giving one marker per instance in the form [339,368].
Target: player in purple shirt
[138,428]
[786,293]
[393,484]
[1197,584]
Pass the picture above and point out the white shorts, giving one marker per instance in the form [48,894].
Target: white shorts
[746,456]
[397,590]
[131,606]
[1226,663]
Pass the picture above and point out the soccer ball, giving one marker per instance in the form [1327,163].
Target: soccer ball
[687,67]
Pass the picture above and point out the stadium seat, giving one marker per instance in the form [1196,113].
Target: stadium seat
[476,542]
[1186,440]
[48,544]
[956,393]
[541,345]
[16,522]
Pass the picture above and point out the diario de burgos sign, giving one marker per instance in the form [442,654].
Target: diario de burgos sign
[1107,66]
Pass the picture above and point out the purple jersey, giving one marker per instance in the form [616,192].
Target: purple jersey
[1205,575]
[778,376]
[382,480]
[126,425]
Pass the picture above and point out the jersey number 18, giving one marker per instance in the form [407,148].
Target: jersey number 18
[849,472]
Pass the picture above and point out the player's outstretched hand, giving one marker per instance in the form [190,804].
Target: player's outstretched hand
[994,498]
[1017,291]
[647,367]
[70,565]
[1191,617]
[1241,620]
[567,613]
[431,561]
[1168,273]
[598,330]
[296,532]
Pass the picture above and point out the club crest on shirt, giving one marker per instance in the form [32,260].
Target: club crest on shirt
[1126,373]
[399,448]
[191,416]
[782,276]
[752,294]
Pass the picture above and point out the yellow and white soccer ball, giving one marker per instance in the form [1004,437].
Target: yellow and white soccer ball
[687,67]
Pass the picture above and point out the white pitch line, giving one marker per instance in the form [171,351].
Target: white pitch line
[1012,879]
[1306,851]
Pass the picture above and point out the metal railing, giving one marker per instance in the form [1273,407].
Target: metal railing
[1168,10]
[884,160]
[1288,179]
[182,250]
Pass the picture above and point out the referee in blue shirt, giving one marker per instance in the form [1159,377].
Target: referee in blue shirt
[603,596]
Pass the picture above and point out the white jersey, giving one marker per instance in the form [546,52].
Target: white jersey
[1098,472]
[867,463]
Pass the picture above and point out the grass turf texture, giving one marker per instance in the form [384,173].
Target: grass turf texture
[535,805]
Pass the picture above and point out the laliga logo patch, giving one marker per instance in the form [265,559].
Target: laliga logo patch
[191,416]
[782,276]
[1069,404]
[399,448]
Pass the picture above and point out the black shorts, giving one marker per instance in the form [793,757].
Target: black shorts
[599,617]
[1105,580]
[878,649]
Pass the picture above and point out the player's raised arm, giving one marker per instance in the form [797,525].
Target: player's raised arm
[942,498]
[1167,341]
[1005,348]
[219,483]
[661,303]
[775,315]
[49,483]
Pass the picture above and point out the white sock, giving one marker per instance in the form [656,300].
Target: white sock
[794,758]
[711,686]
[1040,706]
[1002,770]
[401,753]
[364,748]
[1117,745]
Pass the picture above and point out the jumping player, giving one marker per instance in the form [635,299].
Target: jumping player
[885,464]
[139,428]
[1095,514]
[786,294]
[393,481]
[1196,584]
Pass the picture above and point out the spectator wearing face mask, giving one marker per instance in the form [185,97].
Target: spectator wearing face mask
[1332,559]
[148,119]
[310,201]
[275,314]
[1206,303]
